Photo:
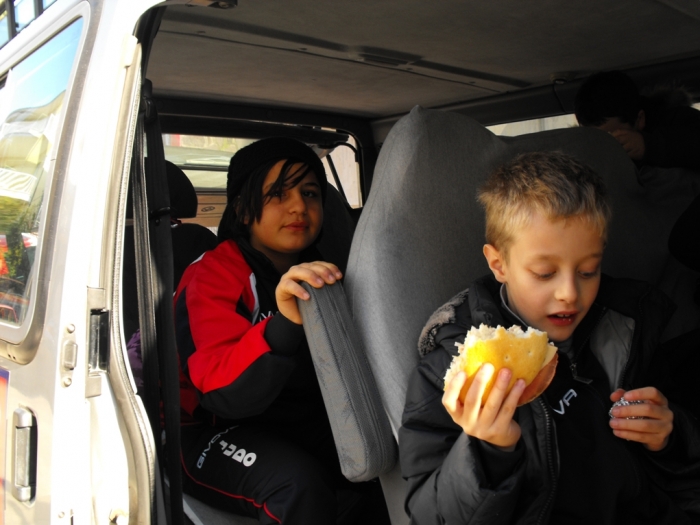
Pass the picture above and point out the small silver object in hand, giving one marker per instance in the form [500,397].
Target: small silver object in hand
[623,402]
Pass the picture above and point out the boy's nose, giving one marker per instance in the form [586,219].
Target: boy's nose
[567,290]
[297,203]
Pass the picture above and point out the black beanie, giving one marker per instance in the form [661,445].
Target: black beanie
[263,151]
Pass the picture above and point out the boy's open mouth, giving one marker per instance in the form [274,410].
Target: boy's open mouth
[563,319]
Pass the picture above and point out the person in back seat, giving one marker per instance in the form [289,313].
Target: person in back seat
[661,130]
[256,439]
[560,459]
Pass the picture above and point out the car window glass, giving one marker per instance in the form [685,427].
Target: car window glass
[205,161]
[348,171]
[4,27]
[24,13]
[30,104]
[512,129]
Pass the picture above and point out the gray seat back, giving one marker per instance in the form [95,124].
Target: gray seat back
[361,430]
[420,237]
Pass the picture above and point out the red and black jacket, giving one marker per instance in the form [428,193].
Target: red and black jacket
[239,359]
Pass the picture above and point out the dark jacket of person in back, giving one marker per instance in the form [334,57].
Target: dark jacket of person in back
[672,130]
[661,130]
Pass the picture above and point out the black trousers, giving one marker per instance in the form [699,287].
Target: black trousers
[255,472]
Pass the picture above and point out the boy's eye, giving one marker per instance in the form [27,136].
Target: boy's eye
[312,194]
[543,276]
[589,275]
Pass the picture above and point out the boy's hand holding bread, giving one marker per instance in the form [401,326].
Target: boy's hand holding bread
[495,371]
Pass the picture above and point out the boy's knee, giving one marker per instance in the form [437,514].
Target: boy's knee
[310,478]
[304,494]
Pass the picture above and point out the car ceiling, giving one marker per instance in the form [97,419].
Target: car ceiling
[374,59]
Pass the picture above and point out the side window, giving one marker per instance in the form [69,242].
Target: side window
[31,99]
[343,161]
[513,129]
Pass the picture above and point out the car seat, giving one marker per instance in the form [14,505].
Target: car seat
[419,239]
[189,242]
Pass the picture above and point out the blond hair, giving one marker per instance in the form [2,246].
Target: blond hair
[551,183]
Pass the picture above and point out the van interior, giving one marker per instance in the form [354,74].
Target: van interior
[345,77]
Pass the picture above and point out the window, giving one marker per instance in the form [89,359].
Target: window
[24,13]
[205,161]
[15,15]
[4,24]
[513,129]
[31,100]
[348,171]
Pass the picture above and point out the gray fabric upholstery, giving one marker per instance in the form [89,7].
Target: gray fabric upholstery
[338,228]
[420,237]
[362,434]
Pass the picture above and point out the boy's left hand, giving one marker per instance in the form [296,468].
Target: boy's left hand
[317,274]
[654,430]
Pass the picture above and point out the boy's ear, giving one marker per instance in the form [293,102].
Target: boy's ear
[496,262]
[641,121]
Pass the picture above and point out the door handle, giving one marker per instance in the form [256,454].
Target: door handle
[25,440]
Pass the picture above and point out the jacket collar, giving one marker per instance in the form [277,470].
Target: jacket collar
[632,298]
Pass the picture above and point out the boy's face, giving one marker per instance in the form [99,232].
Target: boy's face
[290,221]
[552,272]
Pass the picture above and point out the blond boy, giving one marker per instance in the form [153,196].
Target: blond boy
[560,459]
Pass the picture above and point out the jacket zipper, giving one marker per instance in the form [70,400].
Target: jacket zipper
[550,460]
[578,378]
[572,366]
[548,422]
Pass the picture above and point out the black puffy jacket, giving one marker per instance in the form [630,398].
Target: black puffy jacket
[457,479]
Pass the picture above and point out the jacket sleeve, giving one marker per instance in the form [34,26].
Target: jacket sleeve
[677,467]
[673,143]
[448,479]
[231,362]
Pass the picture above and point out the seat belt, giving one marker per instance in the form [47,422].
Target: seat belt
[147,324]
[154,268]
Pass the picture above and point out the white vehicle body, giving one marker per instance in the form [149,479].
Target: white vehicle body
[78,447]
[85,467]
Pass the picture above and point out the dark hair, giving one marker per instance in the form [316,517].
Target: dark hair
[246,176]
[605,95]
[248,205]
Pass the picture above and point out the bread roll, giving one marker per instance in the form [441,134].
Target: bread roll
[528,355]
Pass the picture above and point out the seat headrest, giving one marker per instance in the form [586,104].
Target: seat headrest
[183,197]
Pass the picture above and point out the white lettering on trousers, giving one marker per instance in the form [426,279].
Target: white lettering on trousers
[239,455]
[565,401]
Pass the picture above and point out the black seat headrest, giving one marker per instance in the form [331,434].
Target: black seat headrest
[183,197]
